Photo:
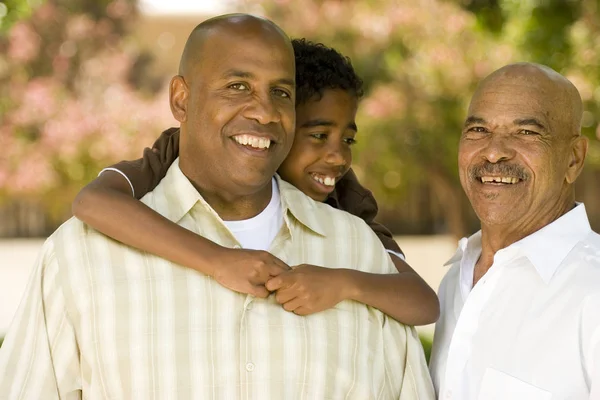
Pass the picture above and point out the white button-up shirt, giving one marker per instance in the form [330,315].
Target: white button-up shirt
[530,328]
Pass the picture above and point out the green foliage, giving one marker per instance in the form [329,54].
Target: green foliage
[427,342]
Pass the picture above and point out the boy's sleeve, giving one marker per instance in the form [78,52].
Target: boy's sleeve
[359,201]
[40,357]
[145,173]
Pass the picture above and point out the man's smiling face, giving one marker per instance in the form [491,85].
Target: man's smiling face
[515,149]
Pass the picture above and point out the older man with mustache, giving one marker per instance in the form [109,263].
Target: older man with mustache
[521,302]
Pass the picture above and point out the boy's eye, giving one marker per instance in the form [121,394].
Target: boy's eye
[238,86]
[349,141]
[320,136]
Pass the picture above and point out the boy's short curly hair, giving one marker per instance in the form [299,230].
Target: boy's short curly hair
[319,67]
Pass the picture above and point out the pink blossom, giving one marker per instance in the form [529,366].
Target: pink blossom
[24,43]
[79,27]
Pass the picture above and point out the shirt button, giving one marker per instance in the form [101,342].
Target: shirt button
[249,306]
[249,367]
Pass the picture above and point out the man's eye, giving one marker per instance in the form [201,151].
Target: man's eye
[350,141]
[478,129]
[528,132]
[239,86]
[281,93]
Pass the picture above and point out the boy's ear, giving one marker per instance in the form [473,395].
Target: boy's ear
[178,98]
[577,155]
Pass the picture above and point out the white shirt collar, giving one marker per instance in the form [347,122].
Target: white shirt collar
[545,249]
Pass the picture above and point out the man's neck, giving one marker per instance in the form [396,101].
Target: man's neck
[498,237]
[235,206]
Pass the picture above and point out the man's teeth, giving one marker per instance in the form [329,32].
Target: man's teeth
[327,181]
[253,141]
[498,179]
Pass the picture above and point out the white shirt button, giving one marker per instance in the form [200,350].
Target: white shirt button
[249,306]
[249,367]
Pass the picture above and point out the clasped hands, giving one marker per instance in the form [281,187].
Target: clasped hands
[303,290]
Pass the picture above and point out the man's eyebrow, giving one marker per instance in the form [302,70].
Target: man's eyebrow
[286,81]
[529,122]
[472,120]
[236,73]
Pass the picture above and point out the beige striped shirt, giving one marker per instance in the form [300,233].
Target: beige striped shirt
[101,320]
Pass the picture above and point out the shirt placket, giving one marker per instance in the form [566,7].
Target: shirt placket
[455,384]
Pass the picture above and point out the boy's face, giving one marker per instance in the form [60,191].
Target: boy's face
[321,154]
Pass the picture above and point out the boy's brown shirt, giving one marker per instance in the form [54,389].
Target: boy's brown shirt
[349,195]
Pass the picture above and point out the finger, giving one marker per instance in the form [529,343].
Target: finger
[278,266]
[260,291]
[274,284]
[285,295]
[280,281]
[293,304]
[302,311]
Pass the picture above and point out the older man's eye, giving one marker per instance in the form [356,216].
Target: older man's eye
[478,129]
[239,86]
[528,132]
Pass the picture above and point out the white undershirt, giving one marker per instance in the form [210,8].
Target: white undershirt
[258,232]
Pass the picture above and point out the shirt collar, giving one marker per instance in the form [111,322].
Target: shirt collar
[548,247]
[301,207]
[545,249]
[182,196]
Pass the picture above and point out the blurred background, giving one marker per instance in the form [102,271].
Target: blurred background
[83,85]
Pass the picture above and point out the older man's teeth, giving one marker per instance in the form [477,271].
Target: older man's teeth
[253,141]
[498,179]
[327,180]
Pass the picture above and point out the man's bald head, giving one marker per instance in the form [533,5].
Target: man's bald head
[555,94]
[240,25]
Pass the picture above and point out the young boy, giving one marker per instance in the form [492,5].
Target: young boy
[327,95]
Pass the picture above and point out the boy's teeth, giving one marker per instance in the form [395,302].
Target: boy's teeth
[253,141]
[327,181]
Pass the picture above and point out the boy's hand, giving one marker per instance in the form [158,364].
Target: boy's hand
[247,271]
[308,289]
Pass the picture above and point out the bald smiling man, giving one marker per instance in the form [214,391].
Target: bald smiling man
[520,305]
[101,320]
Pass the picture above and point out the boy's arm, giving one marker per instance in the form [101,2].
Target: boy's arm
[405,296]
[107,205]
[40,357]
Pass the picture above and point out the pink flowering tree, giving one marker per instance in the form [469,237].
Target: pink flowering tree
[68,106]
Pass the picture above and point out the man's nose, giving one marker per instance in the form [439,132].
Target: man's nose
[498,148]
[263,109]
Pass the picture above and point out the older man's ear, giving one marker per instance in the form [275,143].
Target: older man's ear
[178,98]
[577,157]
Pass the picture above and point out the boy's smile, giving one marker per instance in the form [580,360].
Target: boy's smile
[321,154]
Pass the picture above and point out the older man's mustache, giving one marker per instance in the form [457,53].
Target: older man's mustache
[498,169]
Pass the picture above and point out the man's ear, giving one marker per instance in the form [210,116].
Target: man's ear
[578,151]
[178,98]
